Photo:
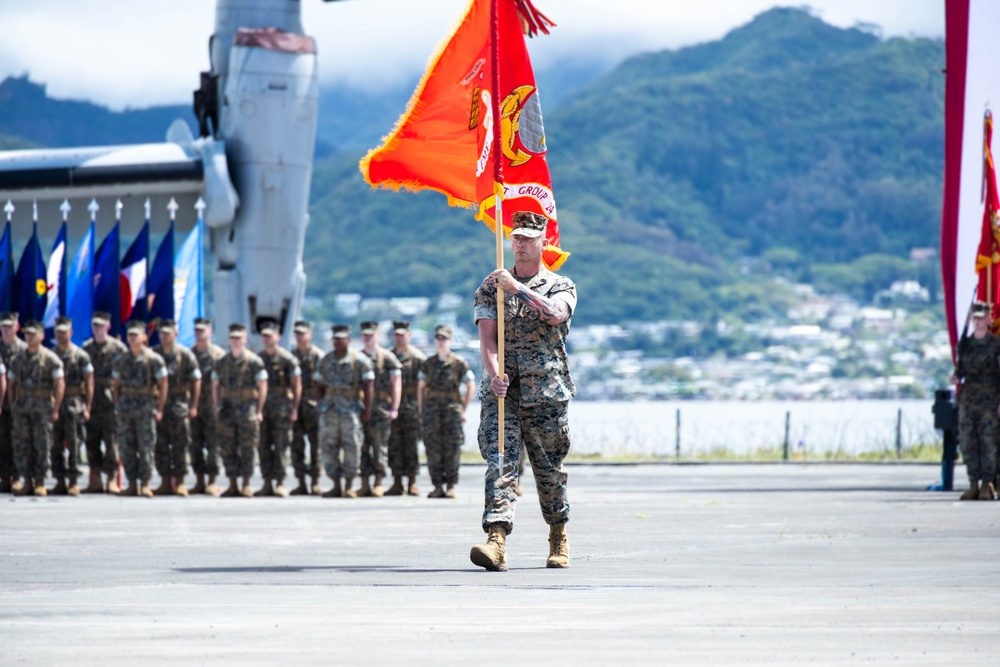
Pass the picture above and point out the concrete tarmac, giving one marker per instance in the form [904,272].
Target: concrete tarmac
[671,564]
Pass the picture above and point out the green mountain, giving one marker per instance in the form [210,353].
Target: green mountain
[687,179]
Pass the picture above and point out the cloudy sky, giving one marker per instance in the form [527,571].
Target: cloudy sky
[137,53]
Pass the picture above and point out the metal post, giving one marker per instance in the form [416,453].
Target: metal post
[788,423]
[899,433]
[677,439]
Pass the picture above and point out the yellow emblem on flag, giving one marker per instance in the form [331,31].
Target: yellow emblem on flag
[41,287]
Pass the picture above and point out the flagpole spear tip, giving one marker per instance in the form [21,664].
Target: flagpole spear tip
[65,208]
[172,207]
[118,210]
[9,209]
[148,208]
[93,208]
[200,205]
[34,210]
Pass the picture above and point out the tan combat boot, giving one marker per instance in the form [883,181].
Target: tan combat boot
[233,490]
[558,547]
[397,487]
[60,488]
[316,490]
[492,555]
[166,487]
[279,490]
[199,485]
[265,490]
[348,491]
[987,492]
[211,489]
[365,490]
[377,490]
[16,486]
[972,493]
[180,489]
[412,489]
[113,487]
[145,491]
[451,492]
[39,489]
[74,488]
[25,488]
[336,491]
[246,491]
[95,485]
[301,489]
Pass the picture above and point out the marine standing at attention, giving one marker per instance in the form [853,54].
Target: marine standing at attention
[385,409]
[404,436]
[536,385]
[204,448]
[173,433]
[69,433]
[284,390]
[10,347]
[104,351]
[307,425]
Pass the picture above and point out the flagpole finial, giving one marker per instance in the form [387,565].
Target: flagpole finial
[34,210]
[65,208]
[93,207]
[118,210]
[172,207]
[9,209]
[200,206]
[148,208]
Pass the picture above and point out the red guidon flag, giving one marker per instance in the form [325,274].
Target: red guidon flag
[446,138]
[988,256]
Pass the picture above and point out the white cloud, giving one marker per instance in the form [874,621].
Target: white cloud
[139,52]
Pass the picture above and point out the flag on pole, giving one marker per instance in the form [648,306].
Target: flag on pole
[135,265]
[161,284]
[188,292]
[444,141]
[988,256]
[6,271]
[56,301]
[31,285]
[107,270]
[80,288]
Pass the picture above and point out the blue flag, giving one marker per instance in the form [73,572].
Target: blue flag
[80,288]
[161,283]
[107,272]
[135,266]
[55,304]
[6,272]
[31,287]
[188,284]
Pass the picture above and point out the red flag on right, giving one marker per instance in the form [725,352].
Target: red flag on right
[988,257]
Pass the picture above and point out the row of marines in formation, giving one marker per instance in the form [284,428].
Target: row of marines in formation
[359,412]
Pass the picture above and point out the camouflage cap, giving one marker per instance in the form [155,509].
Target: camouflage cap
[526,223]
[301,326]
[442,330]
[268,328]
[237,330]
[135,326]
[341,330]
[400,326]
[100,317]
[64,324]
[369,327]
[202,323]
[167,325]
[33,327]
[8,319]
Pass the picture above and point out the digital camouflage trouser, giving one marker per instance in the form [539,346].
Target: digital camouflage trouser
[204,449]
[173,439]
[444,436]
[977,428]
[404,453]
[239,433]
[275,439]
[340,439]
[137,434]
[306,427]
[375,445]
[544,431]
[32,441]
[68,436]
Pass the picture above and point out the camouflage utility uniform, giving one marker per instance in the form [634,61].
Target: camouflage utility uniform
[375,447]
[7,467]
[404,455]
[536,403]
[34,375]
[340,433]
[69,433]
[136,410]
[173,433]
[444,433]
[979,369]
[307,425]
[103,425]
[239,430]
[276,430]
[204,449]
